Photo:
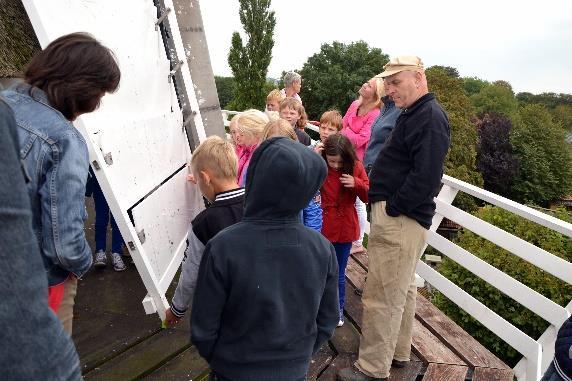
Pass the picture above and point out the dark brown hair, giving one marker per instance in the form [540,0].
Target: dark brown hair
[338,144]
[74,71]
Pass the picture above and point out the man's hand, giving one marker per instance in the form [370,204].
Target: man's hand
[347,181]
[170,318]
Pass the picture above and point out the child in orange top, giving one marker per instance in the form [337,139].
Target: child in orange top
[346,180]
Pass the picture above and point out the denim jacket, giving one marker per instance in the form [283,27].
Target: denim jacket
[56,160]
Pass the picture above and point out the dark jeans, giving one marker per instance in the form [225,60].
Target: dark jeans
[342,255]
[102,217]
[551,374]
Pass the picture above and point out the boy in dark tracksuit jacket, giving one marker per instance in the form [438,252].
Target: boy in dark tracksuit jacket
[214,170]
[267,295]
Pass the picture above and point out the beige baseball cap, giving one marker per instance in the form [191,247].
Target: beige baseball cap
[402,63]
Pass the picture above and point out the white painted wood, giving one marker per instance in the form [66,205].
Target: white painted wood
[525,250]
[188,81]
[165,221]
[526,296]
[514,207]
[140,125]
[546,340]
[499,326]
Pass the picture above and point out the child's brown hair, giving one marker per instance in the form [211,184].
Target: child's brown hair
[292,103]
[279,127]
[301,123]
[334,118]
[217,156]
[339,144]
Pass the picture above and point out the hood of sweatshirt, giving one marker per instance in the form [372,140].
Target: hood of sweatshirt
[282,178]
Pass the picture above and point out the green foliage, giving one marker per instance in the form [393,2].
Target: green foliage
[545,172]
[497,98]
[461,159]
[450,71]
[563,114]
[547,285]
[249,63]
[332,77]
[474,85]
[225,89]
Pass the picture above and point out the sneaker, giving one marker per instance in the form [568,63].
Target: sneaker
[353,374]
[118,264]
[100,259]
[341,322]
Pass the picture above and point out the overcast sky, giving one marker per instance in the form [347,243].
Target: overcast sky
[527,43]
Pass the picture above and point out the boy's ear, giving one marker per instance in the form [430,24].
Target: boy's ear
[206,177]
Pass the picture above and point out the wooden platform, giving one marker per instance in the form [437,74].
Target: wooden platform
[117,341]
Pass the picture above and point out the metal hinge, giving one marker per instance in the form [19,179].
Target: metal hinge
[141,235]
[162,18]
[108,158]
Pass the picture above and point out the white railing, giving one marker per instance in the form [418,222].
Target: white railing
[537,354]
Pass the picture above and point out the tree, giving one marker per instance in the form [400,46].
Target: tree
[551,287]
[563,114]
[495,158]
[450,71]
[249,63]
[225,88]
[461,159]
[497,98]
[332,77]
[474,85]
[545,171]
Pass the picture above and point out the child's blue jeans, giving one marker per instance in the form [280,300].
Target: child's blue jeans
[102,217]
[342,255]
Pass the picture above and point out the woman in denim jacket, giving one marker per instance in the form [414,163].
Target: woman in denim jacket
[65,80]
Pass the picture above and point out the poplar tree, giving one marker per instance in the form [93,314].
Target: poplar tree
[249,61]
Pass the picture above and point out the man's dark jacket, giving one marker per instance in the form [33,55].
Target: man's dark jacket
[267,290]
[563,350]
[408,170]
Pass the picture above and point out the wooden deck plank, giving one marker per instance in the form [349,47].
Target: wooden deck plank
[345,339]
[492,374]
[353,307]
[410,372]
[362,259]
[320,361]
[142,358]
[430,349]
[188,365]
[445,372]
[464,345]
[340,362]
[355,273]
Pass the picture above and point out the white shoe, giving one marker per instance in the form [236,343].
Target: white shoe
[118,264]
[100,259]
[341,322]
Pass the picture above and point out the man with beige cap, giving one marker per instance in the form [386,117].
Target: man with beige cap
[405,177]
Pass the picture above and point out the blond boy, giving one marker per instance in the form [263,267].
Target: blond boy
[273,100]
[214,170]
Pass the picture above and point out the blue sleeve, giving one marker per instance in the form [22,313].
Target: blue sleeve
[63,206]
[312,214]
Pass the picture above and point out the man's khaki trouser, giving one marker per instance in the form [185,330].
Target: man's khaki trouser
[65,312]
[389,295]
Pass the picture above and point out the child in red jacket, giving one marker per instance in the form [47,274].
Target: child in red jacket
[346,180]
